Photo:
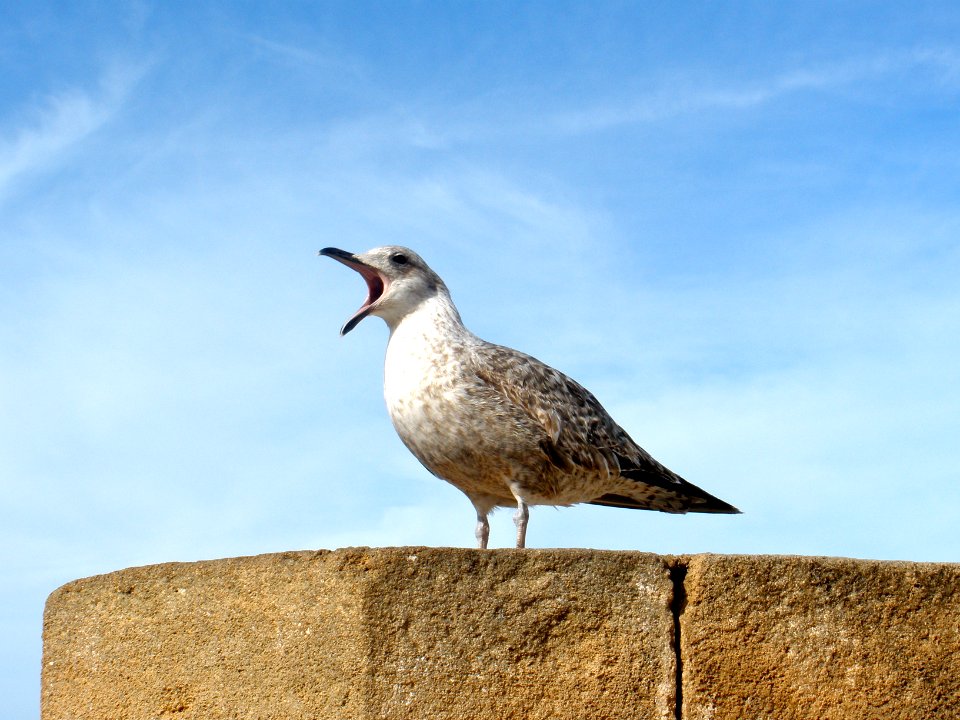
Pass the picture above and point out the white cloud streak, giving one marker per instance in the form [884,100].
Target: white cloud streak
[685,97]
[299,56]
[50,129]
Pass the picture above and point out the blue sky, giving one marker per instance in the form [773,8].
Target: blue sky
[736,223]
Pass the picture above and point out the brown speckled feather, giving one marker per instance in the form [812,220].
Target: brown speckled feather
[580,437]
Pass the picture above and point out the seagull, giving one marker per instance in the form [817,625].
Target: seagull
[501,426]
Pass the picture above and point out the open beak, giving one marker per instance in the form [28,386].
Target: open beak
[376,284]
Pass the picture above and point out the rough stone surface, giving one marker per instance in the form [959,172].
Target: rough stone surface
[259,637]
[825,638]
[444,633]
[366,633]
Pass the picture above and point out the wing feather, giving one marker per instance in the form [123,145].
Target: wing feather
[578,433]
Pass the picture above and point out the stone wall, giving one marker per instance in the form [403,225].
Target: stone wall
[445,633]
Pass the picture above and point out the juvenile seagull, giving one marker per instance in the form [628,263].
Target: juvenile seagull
[501,426]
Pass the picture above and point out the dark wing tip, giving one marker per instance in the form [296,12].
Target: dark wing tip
[678,505]
[716,506]
[690,497]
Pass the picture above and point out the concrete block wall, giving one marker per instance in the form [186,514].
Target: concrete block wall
[448,633]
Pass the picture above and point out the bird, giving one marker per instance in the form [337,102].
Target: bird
[503,427]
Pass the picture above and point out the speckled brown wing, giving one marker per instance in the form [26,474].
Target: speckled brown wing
[580,436]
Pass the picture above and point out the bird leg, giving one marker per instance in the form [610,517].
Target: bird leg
[520,520]
[483,530]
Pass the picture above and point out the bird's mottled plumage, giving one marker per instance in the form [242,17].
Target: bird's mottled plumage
[503,427]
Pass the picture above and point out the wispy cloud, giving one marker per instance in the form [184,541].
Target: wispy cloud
[58,123]
[338,65]
[684,97]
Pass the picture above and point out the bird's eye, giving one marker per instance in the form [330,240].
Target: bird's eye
[399,259]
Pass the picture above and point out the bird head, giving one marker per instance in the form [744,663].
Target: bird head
[398,281]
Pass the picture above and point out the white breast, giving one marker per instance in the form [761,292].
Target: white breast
[421,362]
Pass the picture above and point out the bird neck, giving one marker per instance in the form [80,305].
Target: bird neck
[436,317]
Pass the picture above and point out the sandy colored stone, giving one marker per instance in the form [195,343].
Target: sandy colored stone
[824,638]
[241,638]
[366,633]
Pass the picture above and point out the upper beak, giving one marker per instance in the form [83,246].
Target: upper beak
[376,283]
[338,254]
